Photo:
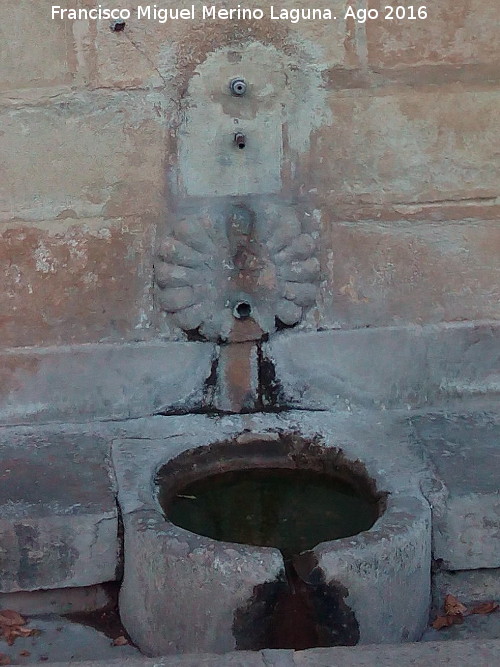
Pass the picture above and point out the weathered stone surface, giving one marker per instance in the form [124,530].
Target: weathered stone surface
[387,367]
[61,640]
[377,274]
[238,380]
[483,653]
[413,146]
[75,281]
[61,600]
[84,156]
[477,627]
[233,659]
[58,515]
[466,585]
[167,567]
[197,572]
[455,31]
[102,381]
[36,51]
[392,557]
[151,54]
[404,126]
[464,452]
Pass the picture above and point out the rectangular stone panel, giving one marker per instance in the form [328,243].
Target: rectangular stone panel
[58,515]
[387,367]
[82,157]
[36,51]
[75,281]
[421,272]
[405,145]
[91,382]
[148,53]
[454,32]
[463,450]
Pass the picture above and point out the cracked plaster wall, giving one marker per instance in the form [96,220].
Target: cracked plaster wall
[400,177]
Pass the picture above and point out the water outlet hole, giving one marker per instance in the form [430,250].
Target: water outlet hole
[242,310]
[291,510]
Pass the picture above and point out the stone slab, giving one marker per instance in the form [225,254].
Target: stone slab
[483,653]
[64,641]
[418,144]
[455,31]
[466,585]
[82,383]
[72,281]
[389,367]
[382,273]
[463,451]
[61,600]
[58,514]
[91,154]
[36,50]
[477,627]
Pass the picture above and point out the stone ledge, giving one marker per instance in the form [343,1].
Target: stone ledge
[465,653]
[58,514]
[103,381]
[462,452]
[387,367]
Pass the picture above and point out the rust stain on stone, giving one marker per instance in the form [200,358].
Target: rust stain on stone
[236,375]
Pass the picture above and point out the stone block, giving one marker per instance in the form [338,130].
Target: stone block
[482,653]
[89,382]
[463,450]
[466,585]
[58,515]
[85,156]
[455,31]
[70,281]
[61,600]
[152,54]
[36,51]
[421,146]
[388,367]
[377,274]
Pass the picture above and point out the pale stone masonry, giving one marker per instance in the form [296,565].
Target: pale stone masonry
[403,178]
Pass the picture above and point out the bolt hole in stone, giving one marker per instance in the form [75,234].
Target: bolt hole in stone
[292,506]
[118,26]
[242,310]
[240,140]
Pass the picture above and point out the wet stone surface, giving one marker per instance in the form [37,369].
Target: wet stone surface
[292,509]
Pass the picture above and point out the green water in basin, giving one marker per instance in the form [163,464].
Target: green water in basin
[291,510]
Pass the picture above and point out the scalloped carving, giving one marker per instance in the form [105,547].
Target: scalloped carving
[212,261]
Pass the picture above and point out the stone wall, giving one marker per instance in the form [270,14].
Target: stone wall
[402,178]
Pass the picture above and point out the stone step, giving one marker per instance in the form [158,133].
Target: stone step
[460,653]
[461,451]
[58,513]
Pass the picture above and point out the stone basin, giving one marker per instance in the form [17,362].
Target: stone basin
[186,592]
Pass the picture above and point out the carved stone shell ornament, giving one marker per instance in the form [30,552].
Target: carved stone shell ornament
[232,261]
